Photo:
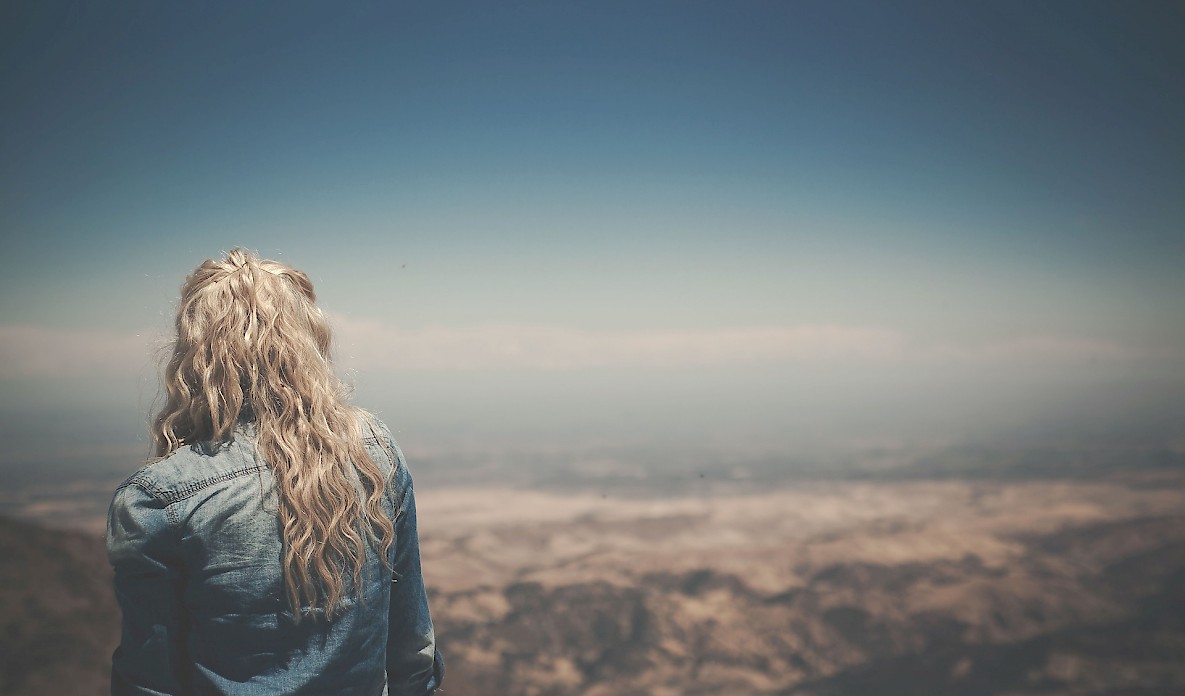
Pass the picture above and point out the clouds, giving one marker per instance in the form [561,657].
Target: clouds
[47,352]
[372,346]
[1042,349]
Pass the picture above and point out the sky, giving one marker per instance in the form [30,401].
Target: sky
[731,223]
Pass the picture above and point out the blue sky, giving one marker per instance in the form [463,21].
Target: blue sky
[975,191]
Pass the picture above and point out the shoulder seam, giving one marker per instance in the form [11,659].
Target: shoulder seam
[143,482]
[170,496]
[191,489]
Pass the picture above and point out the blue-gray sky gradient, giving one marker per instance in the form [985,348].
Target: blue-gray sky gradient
[971,181]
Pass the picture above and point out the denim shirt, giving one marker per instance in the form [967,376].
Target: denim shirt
[196,545]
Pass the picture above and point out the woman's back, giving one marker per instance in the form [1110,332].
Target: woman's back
[271,547]
[195,541]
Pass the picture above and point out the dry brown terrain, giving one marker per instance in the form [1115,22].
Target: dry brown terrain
[827,587]
[944,587]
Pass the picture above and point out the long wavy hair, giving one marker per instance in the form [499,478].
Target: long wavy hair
[252,345]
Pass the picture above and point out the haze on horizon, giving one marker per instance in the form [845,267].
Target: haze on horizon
[765,224]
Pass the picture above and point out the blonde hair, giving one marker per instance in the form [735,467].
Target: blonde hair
[252,345]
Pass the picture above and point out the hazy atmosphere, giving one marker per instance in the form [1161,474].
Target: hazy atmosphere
[617,250]
[652,221]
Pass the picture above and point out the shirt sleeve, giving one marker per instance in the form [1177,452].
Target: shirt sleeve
[144,551]
[414,665]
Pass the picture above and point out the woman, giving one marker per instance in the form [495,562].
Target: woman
[270,547]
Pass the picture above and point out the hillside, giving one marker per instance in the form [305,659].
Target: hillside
[60,620]
[921,587]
